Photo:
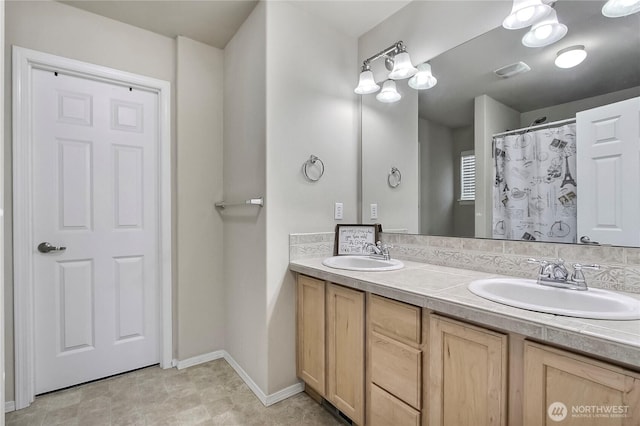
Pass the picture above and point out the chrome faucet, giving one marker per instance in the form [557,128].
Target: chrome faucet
[378,250]
[555,274]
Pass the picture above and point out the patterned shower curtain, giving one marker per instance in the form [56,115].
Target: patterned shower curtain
[534,196]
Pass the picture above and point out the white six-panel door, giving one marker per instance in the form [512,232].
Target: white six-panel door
[95,193]
[608,174]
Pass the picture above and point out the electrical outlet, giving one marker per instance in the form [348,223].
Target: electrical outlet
[338,211]
[374,211]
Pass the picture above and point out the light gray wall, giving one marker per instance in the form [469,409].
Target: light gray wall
[66,31]
[283,102]
[569,109]
[436,178]
[311,109]
[200,296]
[490,117]
[244,168]
[463,213]
[390,139]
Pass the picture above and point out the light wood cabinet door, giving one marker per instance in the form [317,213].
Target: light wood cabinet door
[345,351]
[468,376]
[564,388]
[396,368]
[311,332]
[387,410]
[400,321]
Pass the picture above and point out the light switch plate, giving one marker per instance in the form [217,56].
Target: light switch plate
[374,211]
[338,211]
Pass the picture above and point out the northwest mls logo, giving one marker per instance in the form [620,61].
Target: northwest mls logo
[557,411]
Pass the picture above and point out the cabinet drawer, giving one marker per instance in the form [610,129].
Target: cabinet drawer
[397,368]
[388,410]
[398,320]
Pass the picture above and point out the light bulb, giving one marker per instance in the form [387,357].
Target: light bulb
[402,67]
[366,84]
[620,8]
[388,94]
[543,32]
[424,79]
[525,14]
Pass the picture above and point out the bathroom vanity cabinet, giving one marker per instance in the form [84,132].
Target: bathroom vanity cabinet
[426,369]
[593,393]
[468,374]
[330,343]
[395,344]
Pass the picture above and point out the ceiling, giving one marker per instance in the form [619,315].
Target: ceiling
[612,64]
[214,22]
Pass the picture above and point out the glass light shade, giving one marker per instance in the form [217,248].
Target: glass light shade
[366,84]
[402,67]
[570,57]
[423,79]
[388,94]
[525,13]
[545,32]
[619,8]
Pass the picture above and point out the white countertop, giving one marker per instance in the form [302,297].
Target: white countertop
[444,290]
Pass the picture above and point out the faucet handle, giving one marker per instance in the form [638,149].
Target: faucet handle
[578,276]
[541,263]
[578,266]
[577,270]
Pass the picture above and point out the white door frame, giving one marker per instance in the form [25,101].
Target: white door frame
[24,61]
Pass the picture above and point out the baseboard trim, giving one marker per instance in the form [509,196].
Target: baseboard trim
[200,359]
[266,400]
[284,393]
[9,406]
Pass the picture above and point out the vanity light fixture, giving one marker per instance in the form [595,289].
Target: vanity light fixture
[423,79]
[366,84]
[545,32]
[570,57]
[388,94]
[525,13]
[397,61]
[620,8]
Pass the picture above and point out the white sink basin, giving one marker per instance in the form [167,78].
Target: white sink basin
[528,294]
[362,263]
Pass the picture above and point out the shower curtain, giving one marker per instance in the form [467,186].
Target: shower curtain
[534,194]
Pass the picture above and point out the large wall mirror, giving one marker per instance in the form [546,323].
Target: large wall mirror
[536,165]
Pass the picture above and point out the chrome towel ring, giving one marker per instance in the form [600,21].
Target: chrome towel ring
[313,169]
[394,178]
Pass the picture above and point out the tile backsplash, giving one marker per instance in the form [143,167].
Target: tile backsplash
[620,266]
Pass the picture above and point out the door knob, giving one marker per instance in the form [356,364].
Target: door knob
[46,247]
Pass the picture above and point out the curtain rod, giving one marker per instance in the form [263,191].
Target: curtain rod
[539,126]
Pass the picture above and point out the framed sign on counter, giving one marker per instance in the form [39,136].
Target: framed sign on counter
[351,239]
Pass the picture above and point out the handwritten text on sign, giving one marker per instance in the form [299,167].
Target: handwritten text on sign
[352,239]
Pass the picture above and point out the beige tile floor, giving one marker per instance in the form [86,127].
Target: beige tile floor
[206,394]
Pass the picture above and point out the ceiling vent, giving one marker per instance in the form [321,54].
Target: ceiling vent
[513,69]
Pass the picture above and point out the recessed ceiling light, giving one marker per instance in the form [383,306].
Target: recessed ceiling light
[570,57]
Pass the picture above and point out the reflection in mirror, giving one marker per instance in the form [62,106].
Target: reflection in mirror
[540,175]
